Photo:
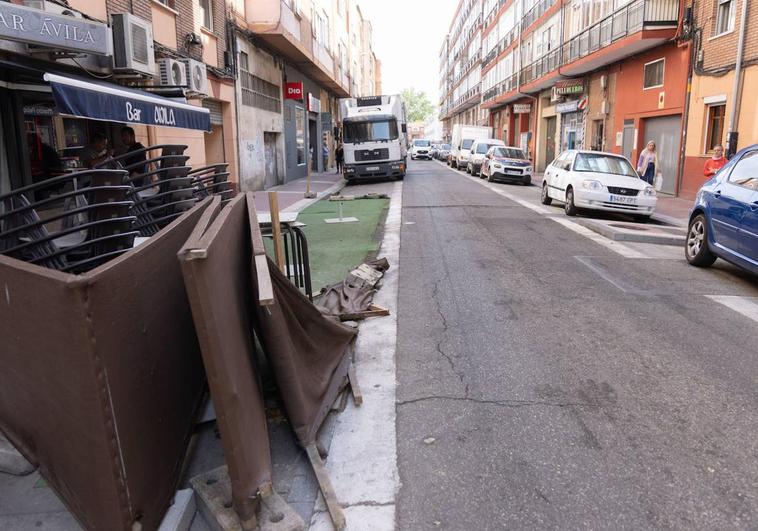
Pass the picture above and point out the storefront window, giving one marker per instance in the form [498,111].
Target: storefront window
[300,134]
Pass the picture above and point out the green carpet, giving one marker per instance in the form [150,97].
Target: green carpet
[337,248]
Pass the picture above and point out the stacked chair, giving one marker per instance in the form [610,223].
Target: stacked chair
[77,221]
[88,222]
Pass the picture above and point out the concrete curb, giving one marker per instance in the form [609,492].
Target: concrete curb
[305,203]
[643,234]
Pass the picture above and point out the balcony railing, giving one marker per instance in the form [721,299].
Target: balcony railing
[542,66]
[467,97]
[536,12]
[466,68]
[501,46]
[510,83]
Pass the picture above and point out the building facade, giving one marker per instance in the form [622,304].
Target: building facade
[719,102]
[38,141]
[579,74]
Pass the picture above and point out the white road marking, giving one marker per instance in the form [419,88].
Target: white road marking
[616,247]
[602,273]
[747,306]
[362,459]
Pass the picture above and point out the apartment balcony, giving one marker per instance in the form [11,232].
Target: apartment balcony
[501,46]
[470,63]
[539,9]
[289,33]
[471,98]
[631,29]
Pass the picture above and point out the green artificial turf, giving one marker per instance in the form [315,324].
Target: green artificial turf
[335,249]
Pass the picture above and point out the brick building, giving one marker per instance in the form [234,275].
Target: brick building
[714,103]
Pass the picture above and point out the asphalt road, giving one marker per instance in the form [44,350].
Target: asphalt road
[546,381]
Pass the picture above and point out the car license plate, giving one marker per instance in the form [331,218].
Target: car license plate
[623,199]
[372,168]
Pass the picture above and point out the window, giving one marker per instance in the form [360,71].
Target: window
[167,3]
[745,172]
[653,76]
[257,92]
[300,134]
[598,134]
[206,12]
[725,16]
[715,126]
[589,162]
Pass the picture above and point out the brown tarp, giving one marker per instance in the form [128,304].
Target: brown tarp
[308,352]
[347,297]
[216,262]
[101,376]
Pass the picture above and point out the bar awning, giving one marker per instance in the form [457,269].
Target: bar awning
[110,102]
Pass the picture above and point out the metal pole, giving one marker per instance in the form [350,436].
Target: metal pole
[732,133]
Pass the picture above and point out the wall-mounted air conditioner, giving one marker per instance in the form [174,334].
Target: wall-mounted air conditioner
[605,107]
[133,51]
[172,73]
[197,77]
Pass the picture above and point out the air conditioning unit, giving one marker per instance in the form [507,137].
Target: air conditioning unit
[133,51]
[605,107]
[50,7]
[172,72]
[197,77]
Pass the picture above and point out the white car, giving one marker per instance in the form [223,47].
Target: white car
[597,181]
[479,153]
[421,149]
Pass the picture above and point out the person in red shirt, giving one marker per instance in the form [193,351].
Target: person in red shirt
[715,163]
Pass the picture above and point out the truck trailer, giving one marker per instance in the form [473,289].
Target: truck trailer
[374,137]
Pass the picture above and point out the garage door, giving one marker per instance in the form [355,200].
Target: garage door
[666,132]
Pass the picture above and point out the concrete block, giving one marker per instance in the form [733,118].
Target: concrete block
[214,500]
[11,460]
[622,231]
[181,513]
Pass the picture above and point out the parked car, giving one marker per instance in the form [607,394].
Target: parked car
[479,151]
[443,152]
[421,149]
[595,180]
[724,221]
[504,163]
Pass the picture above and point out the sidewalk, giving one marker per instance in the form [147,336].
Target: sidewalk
[291,194]
[673,210]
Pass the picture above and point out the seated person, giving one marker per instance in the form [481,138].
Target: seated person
[130,141]
[95,152]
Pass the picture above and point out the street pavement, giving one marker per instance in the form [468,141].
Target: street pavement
[550,378]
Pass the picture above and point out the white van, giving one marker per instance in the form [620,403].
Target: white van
[463,137]
[479,151]
[421,149]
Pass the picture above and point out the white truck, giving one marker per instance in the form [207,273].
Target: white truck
[460,146]
[374,137]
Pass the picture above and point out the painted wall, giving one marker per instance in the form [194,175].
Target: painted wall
[254,122]
[712,87]
[633,102]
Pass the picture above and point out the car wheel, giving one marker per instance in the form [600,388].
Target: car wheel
[696,248]
[490,179]
[527,181]
[569,206]
[545,198]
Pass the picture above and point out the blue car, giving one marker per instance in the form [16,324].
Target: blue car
[724,221]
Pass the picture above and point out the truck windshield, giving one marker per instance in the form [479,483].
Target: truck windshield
[356,132]
[466,143]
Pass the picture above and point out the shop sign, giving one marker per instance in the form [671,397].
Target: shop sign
[34,26]
[293,91]
[571,106]
[570,86]
[522,108]
[314,104]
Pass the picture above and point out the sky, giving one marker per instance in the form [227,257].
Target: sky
[407,39]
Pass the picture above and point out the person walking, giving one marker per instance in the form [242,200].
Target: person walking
[647,165]
[715,163]
[339,156]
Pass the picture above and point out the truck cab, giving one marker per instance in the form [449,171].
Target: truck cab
[374,137]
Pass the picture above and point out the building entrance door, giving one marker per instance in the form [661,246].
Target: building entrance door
[627,141]
[549,140]
[313,147]
[666,132]
[269,152]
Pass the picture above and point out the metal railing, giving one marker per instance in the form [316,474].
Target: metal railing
[536,12]
[501,46]
[507,85]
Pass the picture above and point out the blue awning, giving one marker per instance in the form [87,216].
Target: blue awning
[110,102]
